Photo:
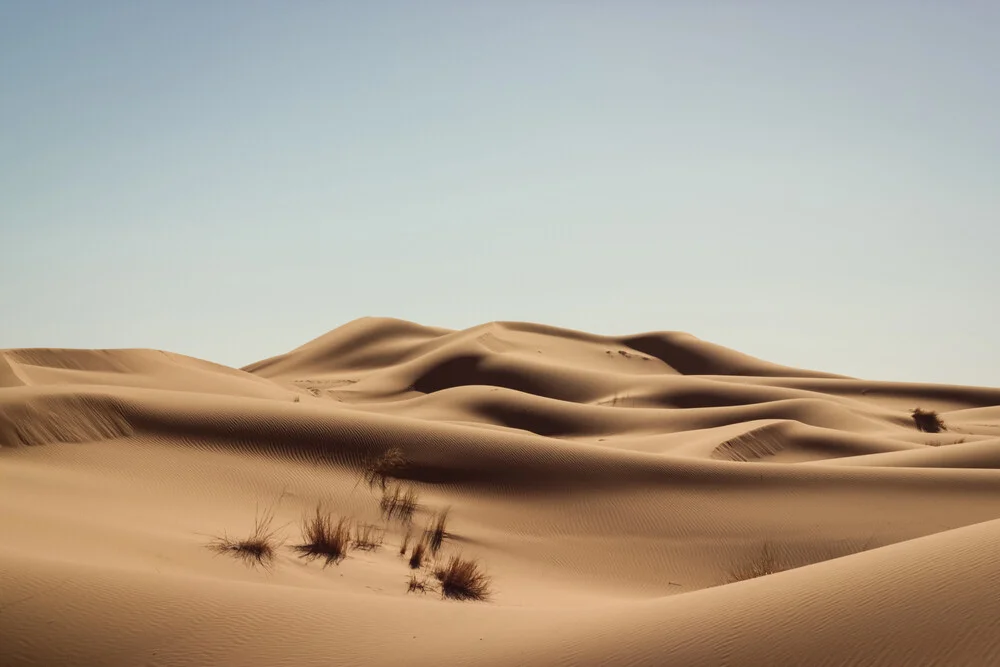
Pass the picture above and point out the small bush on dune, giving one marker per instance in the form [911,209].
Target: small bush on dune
[377,470]
[368,536]
[762,565]
[927,421]
[417,555]
[325,538]
[419,585]
[259,548]
[437,531]
[463,579]
[398,503]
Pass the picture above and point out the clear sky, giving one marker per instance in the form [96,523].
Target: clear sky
[814,183]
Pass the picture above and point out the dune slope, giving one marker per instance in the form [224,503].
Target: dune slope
[620,492]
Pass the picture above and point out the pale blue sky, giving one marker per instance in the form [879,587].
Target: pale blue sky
[813,183]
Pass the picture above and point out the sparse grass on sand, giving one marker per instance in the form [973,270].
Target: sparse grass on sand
[418,585]
[405,544]
[398,502]
[935,443]
[417,555]
[368,537]
[325,538]
[437,531]
[377,470]
[760,566]
[259,548]
[463,579]
[927,421]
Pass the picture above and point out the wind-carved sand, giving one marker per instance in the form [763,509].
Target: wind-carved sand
[638,500]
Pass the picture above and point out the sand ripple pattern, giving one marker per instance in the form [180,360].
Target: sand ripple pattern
[614,485]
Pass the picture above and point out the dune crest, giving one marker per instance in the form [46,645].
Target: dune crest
[615,490]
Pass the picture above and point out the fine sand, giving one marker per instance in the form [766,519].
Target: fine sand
[613,488]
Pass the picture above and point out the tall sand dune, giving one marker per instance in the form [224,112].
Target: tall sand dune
[652,499]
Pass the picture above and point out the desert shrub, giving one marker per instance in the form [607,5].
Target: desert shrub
[417,555]
[398,502]
[759,566]
[368,536]
[437,531]
[325,538]
[258,548]
[377,470]
[463,579]
[418,585]
[927,421]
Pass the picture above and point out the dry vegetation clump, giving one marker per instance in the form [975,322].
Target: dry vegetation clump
[463,579]
[927,421]
[368,536]
[418,585]
[405,544]
[437,531]
[763,565]
[417,555]
[325,538]
[398,503]
[935,443]
[259,548]
[377,470]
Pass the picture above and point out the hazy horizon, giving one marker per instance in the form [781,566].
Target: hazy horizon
[813,186]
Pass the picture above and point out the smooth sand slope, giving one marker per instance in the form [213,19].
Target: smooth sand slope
[612,487]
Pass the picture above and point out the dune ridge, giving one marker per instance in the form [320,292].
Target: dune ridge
[611,485]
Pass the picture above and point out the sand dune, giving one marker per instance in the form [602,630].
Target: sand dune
[612,487]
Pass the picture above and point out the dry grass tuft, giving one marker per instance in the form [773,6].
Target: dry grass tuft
[418,585]
[377,471]
[405,543]
[927,421]
[259,548]
[761,566]
[368,536]
[463,579]
[324,538]
[399,503]
[437,531]
[417,555]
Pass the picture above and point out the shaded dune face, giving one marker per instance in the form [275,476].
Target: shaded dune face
[554,383]
[646,499]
